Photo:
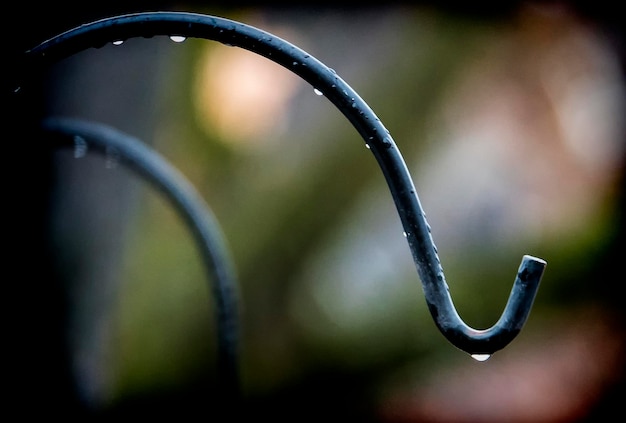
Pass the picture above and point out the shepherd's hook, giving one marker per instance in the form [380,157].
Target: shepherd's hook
[479,343]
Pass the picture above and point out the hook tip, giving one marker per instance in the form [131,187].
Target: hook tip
[531,269]
[532,259]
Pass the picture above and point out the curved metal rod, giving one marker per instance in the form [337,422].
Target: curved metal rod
[374,133]
[148,163]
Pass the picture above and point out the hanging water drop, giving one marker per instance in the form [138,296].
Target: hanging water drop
[80,147]
[177,38]
[112,158]
[317,92]
[118,42]
[481,357]
[367,146]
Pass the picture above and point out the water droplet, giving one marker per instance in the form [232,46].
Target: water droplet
[317,92]
[112,158]
[368,146]
[118,42]
[481,357]
[177,38]
[354,105]
[80,147]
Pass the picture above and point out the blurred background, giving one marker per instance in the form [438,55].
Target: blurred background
[511,121]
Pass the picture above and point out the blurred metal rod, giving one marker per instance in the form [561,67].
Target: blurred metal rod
[92,137]
[369,126]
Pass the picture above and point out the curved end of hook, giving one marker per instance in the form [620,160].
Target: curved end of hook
[481,344]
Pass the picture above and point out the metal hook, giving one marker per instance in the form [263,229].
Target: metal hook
[375,135]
